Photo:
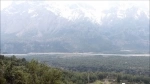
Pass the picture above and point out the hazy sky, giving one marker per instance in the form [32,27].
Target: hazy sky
[96,4]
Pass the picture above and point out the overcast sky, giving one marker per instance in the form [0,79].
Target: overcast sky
[95,4]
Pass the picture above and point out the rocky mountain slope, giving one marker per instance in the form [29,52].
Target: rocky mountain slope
[40,27]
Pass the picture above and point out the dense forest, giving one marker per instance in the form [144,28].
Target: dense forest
[135,65]
[20,71]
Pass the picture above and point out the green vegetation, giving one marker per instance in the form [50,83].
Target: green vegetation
[135,65]
[19,71]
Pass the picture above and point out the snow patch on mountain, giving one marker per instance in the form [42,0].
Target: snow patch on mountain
[75,11]
[30,11]
[35,15]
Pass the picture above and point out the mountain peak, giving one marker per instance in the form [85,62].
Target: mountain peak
[75,27]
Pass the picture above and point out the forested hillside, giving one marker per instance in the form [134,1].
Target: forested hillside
[20,71]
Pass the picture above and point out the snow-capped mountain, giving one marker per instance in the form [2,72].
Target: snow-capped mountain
[77,27]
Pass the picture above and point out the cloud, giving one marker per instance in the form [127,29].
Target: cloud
[5,4]
[98,5]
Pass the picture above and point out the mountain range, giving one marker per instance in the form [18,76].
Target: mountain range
[50,27]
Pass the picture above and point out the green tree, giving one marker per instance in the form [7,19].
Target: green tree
[118,78]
